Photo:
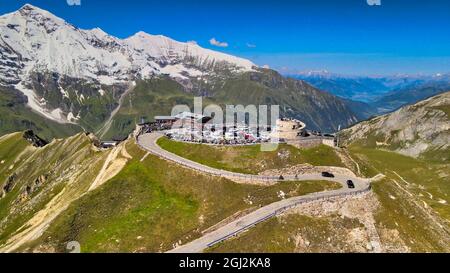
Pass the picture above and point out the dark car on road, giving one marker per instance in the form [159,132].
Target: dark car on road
[350,184]
[327,174]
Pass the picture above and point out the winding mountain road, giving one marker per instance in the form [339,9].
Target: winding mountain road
[362,185]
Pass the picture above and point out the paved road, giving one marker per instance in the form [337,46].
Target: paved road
[250,220]
[362,185]
[148,142]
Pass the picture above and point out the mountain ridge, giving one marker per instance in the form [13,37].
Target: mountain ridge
[419,130]
[75,76]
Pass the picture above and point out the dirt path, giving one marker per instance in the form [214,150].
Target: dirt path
[114,163]
[348,160]
[426,210]
[38,223]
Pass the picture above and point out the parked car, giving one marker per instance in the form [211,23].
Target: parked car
[350,184]
[327,174]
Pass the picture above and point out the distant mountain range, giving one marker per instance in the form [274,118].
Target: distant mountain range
[410,95]
[53,73]
[382,94]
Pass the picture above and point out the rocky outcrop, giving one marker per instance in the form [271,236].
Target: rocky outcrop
[420,129]
[34,139]
[8,186]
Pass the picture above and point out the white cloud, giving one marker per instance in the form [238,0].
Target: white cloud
[249,45]
[192,42]
[214,42]
[266,66]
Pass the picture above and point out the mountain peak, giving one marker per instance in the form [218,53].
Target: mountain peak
[99,32]
[30,11]
[145,35]
[94,54]
[28,7]
[141,34]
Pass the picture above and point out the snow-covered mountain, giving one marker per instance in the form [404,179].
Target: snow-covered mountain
[160,54]
[71,75]
[33,40]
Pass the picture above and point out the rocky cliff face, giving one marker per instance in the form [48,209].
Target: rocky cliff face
[422,129]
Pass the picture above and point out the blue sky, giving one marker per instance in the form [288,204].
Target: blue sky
[342,36]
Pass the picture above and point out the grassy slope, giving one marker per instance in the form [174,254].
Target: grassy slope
[153,204]
[398,210]
[69,164]
[149,99]
[278,235]
[427,183]
[424,177]
[11,147]
[250,159]
[320,110]
[24,119]
[14,150]
[15,116]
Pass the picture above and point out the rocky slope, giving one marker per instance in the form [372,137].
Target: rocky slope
[38,183]
[422,129]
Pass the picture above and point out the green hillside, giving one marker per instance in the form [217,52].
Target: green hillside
[297,99]
[148,208]
[32,177]
[15,116]
[250,159]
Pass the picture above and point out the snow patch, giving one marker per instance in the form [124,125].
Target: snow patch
[37,105]
[180,71]
[64,92]
[71,117]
